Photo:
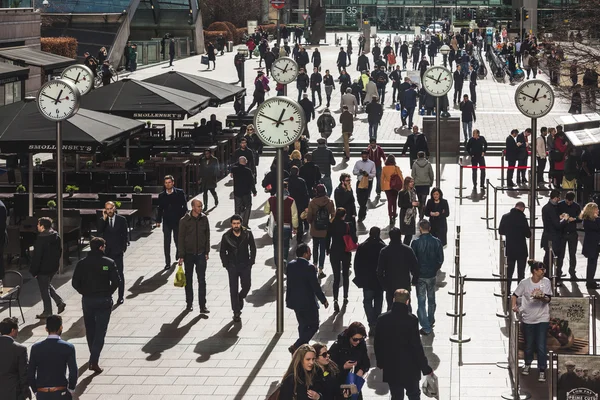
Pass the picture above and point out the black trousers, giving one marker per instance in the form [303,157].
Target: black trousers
[118,259]
[510,172]
[478,161]
[47,292]
[96,316]
[556,247]
[592,264]
[570,238]
[308,325]
[541,165]
[340,264]
[457,93]
[521,263]
[243,207]
[318,93]
[473,93]
[521,172]
[197,261]
[362,196]
[239,274]
[205,196]
[169,230]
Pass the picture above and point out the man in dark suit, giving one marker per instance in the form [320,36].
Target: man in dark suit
[515,228]
[553,228]
[48,361]
[172,206]
[522,155]
[302,287]
[511,156]
[13,363]
[415,142]
[3,235]
[113,228]
[398,348]
[96,279]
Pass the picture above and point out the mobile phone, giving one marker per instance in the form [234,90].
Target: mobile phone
[351,387]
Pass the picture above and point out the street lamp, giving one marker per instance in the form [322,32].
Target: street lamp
[445,50]
[239,61]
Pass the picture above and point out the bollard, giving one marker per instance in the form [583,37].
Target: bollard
[495,214]
[454,313]
[460,186]
[487,202]
[459,338]
[593,298]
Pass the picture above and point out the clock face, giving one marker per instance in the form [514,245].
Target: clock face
[81,76]
[534,98]
[58,100]
[437,81]
[284,70]
[279,121]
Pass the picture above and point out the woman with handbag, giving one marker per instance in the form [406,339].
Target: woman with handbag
[560,150]
[391,184]
[339,233]
[437,210]
[301,381]
[408,203]
[572,169]
[332,378]
[350,352]
[211,52]
[591,241]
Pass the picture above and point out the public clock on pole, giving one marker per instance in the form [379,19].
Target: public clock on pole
[81,76]
[284,70]
[58,100]
[534,98]
[437,81]
[279,121]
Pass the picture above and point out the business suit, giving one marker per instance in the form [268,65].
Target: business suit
[302,288]
[13,370]
[115,231]
[522,158]
[511,158]
[48,361]
[553,227]
[171,208]
[3,235]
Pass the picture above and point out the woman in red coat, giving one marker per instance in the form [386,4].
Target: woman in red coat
[560,145]
[251,45]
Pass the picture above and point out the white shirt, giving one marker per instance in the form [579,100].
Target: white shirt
[533,310]
[397,39]
[540,147]
[368,166]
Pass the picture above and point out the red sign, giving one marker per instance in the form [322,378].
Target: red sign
[278,4]
[305,16]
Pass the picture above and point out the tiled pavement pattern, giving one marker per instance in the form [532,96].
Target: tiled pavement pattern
[156,351]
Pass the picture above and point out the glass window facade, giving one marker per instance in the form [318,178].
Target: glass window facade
[12,92]
[87,6]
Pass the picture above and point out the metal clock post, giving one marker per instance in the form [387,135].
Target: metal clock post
[534,99]
[58,100]
[437,81]
[279,121]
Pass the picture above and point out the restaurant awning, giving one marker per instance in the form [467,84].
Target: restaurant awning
[143,100]
[23,129]
[12,73]
[218,92]
[582,129]
[36,57]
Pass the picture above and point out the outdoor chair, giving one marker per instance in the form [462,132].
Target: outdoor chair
[13,247]
[13,279]
[20,206]
[104,197]
[117,179]
[72,230]
[99,181]
[50,179]
[143,204]
[137,179]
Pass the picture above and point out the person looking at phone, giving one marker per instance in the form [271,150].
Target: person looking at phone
[330,374]
[398,349]
[350,351]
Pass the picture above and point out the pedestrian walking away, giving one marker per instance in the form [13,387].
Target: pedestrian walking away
[515,228]
[209,175]
[238,255]
[243,189]
[172,206]
[96,279]
[13,365]
[45,264]
[194,246]
[339,256]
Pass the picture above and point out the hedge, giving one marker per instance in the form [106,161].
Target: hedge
[227,27]
[212,36]
[62,46]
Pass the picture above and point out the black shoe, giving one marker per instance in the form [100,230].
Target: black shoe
[189,308]
[511,184]
[292,349]
[96,368]
[236,318]
[424,333]
[345,302]
[42,316]
[336,306]
[204,310]
[593,285]
[61,308]
[167,267]
[321,274]
[216,202]
[120,301]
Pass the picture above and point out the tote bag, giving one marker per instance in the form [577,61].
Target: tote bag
[349,241]
[353,379]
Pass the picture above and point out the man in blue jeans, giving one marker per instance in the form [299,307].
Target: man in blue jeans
[535,294]
[467,109]
[194,245]
[430,256]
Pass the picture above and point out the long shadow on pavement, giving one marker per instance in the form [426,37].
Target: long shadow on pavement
[220,342]
[263,295]
[141,286]
[169,336]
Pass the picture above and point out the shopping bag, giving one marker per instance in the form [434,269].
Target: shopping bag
[363,183]
[568,184]
[204,60]
[430,387]
[270,225]
[350,244]
[353,379]
[180,276]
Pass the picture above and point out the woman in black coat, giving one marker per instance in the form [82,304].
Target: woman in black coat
[332,378]
[344,197]
[350,351]
[212,55]
[591,241]
[437,210]
[316,59]
[338,256]
[303,379]
[408,203]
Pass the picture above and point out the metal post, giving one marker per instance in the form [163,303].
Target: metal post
[59,191]
[280,260]
[550,375]
[244,84]
[438,161]
[593,318]
[495,214]
[30,185]
[126,155]
[487,203]
[502,170]
[460,183]
[460,338]
[278,27]
[532,189]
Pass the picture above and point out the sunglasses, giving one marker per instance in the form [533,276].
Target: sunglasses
[356,340]
[324,355]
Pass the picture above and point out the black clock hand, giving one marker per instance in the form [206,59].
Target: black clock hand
[77,79]
[279,68]
[280,118]
[438,78]
[535,97]
[45,95]
[531,97]
[57,100]
[286,67]
[267,117]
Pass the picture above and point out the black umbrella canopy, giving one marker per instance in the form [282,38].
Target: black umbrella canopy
[143,100]
[23,129]
[218,92]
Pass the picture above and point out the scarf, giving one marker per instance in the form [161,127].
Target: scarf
[411,212]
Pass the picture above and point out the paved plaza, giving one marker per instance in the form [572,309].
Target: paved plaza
[156,351]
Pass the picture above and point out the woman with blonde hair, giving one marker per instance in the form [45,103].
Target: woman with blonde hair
[295,159]
[331,374]
[391,169]
[591,241]
[302,376]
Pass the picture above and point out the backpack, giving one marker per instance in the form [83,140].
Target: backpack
[322,219]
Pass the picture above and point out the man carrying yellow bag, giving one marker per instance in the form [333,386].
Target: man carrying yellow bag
[180,276]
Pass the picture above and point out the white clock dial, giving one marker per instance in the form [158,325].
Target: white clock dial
[58,100]
[284,70]
[81,76]
[437,81]
[534,98]
[279,121]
